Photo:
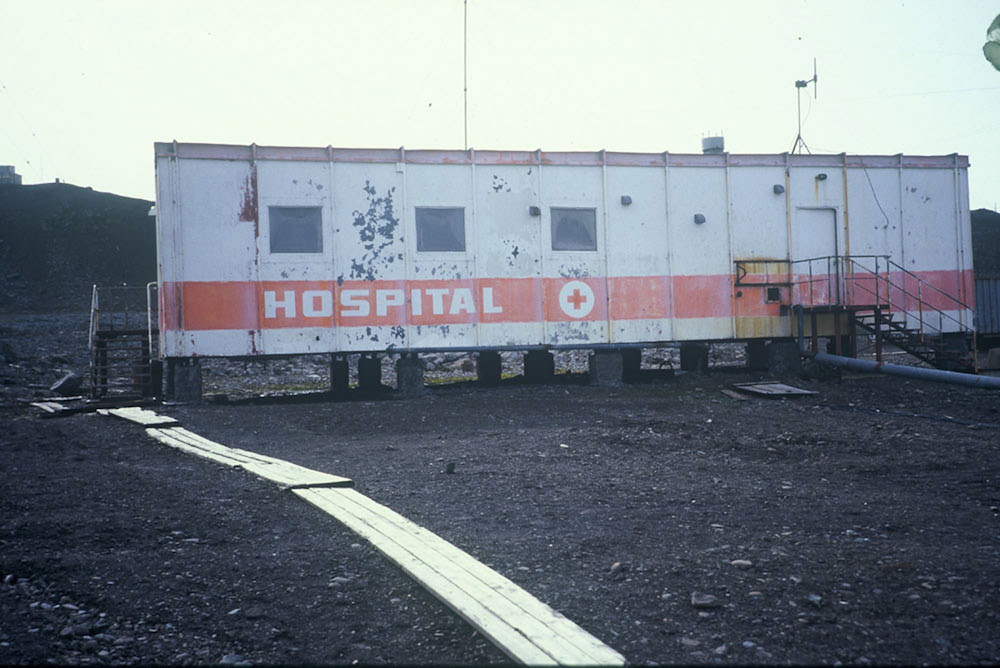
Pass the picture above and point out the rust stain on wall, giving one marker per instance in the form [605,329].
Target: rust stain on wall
[248,212]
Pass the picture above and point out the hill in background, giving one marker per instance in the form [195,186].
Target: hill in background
[57,240]
[986,243]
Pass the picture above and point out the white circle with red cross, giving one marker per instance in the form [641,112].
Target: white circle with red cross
[576,299]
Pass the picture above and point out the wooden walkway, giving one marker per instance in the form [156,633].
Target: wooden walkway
[525,629]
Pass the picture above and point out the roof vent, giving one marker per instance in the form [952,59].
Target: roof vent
[713,145]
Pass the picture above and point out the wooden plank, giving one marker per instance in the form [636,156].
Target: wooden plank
[427,548]
[166,437]
[526,629]
[502,634]
[140,416]
[280,471]
[734,395]
[450,557]
[773,389]
[48,406]
[57,399]
[562,641]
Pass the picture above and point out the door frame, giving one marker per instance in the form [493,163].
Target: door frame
[836,243]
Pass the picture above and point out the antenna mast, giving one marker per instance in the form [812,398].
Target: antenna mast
[465,70]
[800,143]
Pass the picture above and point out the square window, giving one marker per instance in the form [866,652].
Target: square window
[440,229]
[774,294]
[574,229]
[296,229]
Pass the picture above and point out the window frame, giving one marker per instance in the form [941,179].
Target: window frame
[418,236]
[296,254]
[552,235]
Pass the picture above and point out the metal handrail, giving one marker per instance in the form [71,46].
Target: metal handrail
[930,285]
[919,297]
[93,317]
[149,314]
[851,284]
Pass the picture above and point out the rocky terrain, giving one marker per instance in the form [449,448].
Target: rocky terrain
[672,521]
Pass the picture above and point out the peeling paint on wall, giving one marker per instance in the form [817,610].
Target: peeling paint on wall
[376,229]
[500,184]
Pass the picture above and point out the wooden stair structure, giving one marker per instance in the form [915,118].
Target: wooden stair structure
[124,338]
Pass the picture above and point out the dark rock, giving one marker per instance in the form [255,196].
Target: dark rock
[68,385]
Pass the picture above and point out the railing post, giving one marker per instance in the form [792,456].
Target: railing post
[877,279]
[149,315]
[800,321]
[815,337]
[975,355]
[920,304]
[878,334]
[829,292]
[811,286]
[837,348]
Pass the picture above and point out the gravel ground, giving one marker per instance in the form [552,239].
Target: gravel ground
[675,523]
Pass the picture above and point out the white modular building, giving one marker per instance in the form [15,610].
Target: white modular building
[277,250]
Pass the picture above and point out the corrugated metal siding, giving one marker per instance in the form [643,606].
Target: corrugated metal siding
[988,305]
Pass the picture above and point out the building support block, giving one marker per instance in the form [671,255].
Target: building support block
[369,373]
[606,368]
[756,354]
[340,374]
[184,379]
[631,364]
[410,375]
[488,368]
[539,366]
[783,356]
[694,357]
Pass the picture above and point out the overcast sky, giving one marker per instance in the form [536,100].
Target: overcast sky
[86,87]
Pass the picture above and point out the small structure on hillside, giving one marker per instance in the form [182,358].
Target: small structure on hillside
[8,176]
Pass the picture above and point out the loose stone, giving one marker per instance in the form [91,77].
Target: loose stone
[704,600]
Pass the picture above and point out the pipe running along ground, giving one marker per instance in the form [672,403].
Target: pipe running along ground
[922,373]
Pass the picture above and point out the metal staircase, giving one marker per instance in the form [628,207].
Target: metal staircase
[123,342]
[950,353]
[891,303]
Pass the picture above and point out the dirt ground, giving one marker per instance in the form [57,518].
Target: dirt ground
[856,525]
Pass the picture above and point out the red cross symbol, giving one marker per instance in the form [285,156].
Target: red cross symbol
[577,298]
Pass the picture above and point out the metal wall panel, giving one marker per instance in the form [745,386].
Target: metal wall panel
[988,306]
